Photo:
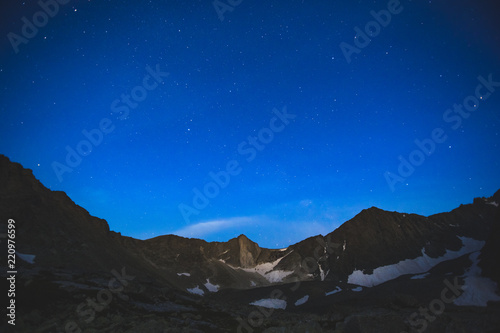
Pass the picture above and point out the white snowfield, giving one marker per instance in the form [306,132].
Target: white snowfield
[493,203]
[267,270]
[196,290]
[270,303]
[477,290]
[212,287]
[302,300]
[29,258]
[411,266]
[185,274]
[276,276]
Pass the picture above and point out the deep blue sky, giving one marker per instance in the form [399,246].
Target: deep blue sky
[352,119]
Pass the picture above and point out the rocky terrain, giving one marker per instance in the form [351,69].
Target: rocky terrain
[379,272]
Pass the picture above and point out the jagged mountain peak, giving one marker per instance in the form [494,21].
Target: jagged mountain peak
[243,236]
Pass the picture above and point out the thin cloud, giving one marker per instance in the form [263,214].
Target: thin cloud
[204,229]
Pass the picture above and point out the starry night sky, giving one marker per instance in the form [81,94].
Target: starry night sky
[217,109]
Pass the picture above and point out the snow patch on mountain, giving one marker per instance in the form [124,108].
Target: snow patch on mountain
[271,303]
[211,287]
[267,270]
[302,300]
[276,276]
[183,274]
[196,290]
[321,272]
[412,266]
[336,290]
[477,290]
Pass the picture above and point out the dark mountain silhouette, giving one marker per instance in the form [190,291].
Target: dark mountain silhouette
[368,275]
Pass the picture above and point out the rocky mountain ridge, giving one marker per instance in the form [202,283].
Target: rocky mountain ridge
[76,252]
[371,239]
